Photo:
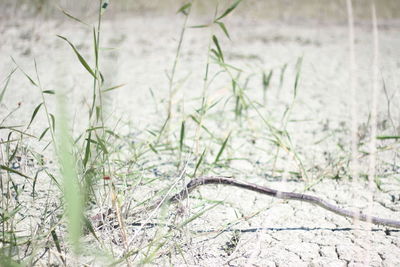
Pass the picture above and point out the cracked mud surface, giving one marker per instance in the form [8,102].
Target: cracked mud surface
[293,233]
[282,233]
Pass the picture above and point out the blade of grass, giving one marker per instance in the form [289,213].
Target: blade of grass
[25,74]
[298,71]
[13,154]
[266,80]
[282,76]
[385,137]
[219,53]
[72,17]
[102,145]
[222,149]
[182,136]
[14,171]
[57,243]
[89,226]
[229,10]
[199,162]
[87,150]
[80,57]
[200,26]
[184,9]
[11,128]
[113,88]
[153,148]
[8,79]
[202,126]
[223,28]
[34,114]
[9,214]
[43,133]
[53,121]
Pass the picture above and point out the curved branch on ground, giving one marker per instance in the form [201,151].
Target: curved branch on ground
[282,195]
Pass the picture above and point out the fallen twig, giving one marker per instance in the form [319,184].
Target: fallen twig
[282,195]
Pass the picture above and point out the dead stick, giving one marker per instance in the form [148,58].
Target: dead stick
[282,195]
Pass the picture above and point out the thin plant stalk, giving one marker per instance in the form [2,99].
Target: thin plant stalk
[375,88]
[171,78]
[205,86]
[49,122]
[372,144]
[353,92]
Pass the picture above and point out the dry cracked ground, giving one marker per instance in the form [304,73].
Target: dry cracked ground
[247,229]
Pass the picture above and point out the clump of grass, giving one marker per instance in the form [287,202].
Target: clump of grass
[86,161]
[106,183]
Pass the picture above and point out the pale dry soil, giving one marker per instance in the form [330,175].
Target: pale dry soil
[247,229]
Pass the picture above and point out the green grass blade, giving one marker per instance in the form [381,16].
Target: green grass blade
[53,121]
[102,145]
[153,148]
[34,113]
[182,136]
[57,243]
[111,133]
[202,126]
[80,57]
[11,128]
[72,17]
[229,9]
[13,154]
[87,150]
[385,137]
[282,76]
[223,28]
[298,71]
[153,133]
[215,40]
[14,171]
[200,26]
[9,214]
[266,80]
[53,178]
[98,113]
[43,133]
[224,65]
[184,9]
[25,74]
[89,226]
[217,55]
[92,129]
[222,148]
[199,162]
[8,79]
[95,46]
[163,127]
[113,88]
